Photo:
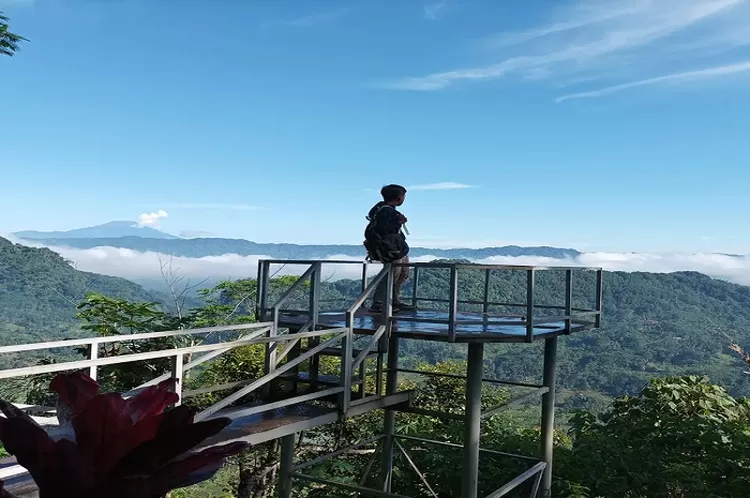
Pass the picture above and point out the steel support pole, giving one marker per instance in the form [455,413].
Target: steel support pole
[391,386]
[548,413]
[473,420]
[286,466]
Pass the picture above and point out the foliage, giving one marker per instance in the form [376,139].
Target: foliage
[681,438]
[9,42]
[106,316]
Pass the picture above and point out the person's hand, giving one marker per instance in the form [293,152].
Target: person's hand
[402,219]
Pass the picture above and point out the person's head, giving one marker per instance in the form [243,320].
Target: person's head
[393,194]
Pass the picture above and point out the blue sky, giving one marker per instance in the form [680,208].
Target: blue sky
[609,125]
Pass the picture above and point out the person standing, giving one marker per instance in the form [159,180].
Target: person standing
[385,242]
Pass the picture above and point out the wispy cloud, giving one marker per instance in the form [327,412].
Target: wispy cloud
[16,3]
[440,186]
[435,10]
[225,207]
[686,76]
[309,20]
[586,39]
[152,219]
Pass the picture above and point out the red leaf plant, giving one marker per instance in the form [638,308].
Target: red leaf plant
[112,447]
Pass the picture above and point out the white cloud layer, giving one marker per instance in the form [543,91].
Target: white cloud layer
[637,41]
[146,265]
[151,219]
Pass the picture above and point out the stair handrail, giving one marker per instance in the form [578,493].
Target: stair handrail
[369,289]
[348,365]
[288,293]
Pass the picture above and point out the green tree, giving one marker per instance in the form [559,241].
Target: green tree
[682,437]
[9,42]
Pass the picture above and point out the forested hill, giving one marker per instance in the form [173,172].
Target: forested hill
[39,292]
[654,324]
[198,248]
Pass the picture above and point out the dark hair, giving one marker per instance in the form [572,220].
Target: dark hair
[392,192]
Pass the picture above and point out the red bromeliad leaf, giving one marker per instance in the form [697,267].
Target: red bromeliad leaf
[124,442]
[123,448]
[153,400]
[100,423]
[74,391]
[194,468]
[177,434]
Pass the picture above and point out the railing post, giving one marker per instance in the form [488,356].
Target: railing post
[93,355]
[264,288]
[415,286]
[346,363]
[453,310]
[486,297]
[568,299]
[315,280]
[599,297]
[178,368]
[530,282]
[364,276]
[258,292]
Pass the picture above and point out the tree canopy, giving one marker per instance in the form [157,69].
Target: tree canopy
[9,41]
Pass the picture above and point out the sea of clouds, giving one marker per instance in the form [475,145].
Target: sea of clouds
[137,265]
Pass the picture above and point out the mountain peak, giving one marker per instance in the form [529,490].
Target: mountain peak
[112,229]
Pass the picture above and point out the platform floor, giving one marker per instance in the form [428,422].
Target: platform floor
[421,324]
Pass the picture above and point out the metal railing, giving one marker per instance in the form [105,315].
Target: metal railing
[528,310]
[527,320]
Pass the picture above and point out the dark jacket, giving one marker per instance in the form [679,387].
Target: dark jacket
[388,222]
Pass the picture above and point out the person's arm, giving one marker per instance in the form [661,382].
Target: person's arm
[391,219]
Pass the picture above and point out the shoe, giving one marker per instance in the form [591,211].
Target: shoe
[404,307]
[378,308]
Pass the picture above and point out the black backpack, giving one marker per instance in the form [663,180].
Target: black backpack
[381,248]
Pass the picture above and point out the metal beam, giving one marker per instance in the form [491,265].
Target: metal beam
[501,408]
[458,376]
[510,486]
[351,487]
[473,420]
[454,445]
[416,469]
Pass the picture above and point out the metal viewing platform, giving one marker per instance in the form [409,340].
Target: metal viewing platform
[295,394]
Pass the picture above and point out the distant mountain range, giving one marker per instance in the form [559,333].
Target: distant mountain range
[129,235]
[112,229]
